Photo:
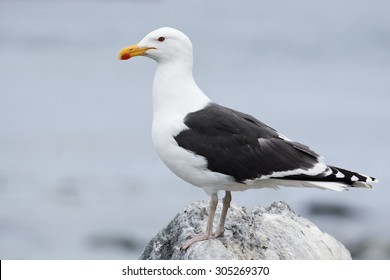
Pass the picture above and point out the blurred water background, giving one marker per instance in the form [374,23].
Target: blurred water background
[79,177]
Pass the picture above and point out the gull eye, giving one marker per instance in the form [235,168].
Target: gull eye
[161,39]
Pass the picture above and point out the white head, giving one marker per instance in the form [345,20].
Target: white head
[164,45]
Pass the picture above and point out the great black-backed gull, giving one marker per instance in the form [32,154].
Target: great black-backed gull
[217,148]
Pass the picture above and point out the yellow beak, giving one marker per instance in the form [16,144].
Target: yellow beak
[131,51]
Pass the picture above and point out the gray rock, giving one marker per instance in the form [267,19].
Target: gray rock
[273,233]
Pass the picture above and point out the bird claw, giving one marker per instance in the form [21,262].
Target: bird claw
[196,238]
[200,237]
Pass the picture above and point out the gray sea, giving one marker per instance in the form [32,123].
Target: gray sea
[79,177]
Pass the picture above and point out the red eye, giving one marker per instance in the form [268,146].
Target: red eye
[161,39]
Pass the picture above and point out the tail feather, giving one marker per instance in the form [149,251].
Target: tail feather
[350,177]
[337,175]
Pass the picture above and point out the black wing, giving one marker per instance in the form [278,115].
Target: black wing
[241,146]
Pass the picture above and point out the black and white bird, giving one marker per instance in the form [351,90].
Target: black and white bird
[217,148]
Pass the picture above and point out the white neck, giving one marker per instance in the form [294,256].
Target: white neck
[175,91]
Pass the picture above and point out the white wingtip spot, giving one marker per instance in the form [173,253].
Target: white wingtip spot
[370,179]
[354,178]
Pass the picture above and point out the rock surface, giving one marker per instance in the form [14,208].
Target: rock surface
[273,233]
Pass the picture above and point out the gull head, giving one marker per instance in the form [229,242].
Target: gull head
[164,45]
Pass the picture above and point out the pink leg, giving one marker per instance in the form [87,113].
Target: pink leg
[209,229]
[226,204]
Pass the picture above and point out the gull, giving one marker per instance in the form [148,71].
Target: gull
[220,149]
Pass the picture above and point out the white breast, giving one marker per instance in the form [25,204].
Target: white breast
[175,94]
[185,164]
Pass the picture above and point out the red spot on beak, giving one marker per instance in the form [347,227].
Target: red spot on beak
[125,56]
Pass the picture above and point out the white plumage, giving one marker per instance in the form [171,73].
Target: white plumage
[217,148]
